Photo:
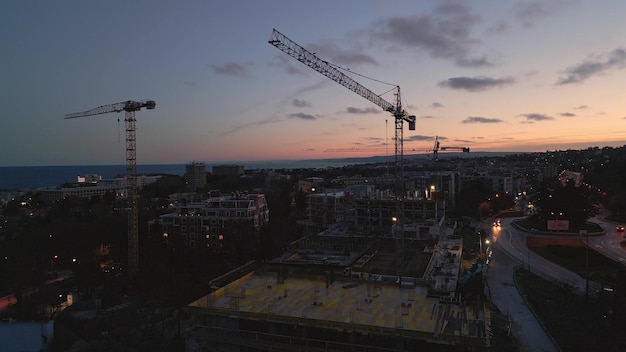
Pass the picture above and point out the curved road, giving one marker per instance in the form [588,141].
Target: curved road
[513,242]
[509,250]
[609,244]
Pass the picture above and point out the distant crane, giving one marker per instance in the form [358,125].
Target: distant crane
[299,53]
[435,150]
[129,107]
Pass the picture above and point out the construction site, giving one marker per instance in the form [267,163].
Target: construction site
[337,293]
[337,290]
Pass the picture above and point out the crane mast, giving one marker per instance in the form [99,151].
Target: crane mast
[299,53]
[129,107]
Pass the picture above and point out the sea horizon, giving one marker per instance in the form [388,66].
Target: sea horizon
[32,177]
[39,177]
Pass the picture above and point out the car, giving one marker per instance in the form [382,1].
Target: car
[620,228]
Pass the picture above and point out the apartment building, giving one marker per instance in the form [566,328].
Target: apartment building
[195,176]
[51,195]
[325,209]
[222,224]
[228,170]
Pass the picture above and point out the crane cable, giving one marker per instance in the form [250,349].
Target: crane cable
[364,76]
[370,78]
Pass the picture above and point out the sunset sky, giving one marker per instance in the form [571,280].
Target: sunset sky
[514,76]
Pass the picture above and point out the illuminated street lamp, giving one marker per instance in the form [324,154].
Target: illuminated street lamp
[556,215]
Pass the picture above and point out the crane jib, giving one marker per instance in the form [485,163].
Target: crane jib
[309,59]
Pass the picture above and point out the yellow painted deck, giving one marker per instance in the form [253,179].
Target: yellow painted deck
[366,303]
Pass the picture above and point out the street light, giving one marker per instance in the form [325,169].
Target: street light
[486,246]
[556,215]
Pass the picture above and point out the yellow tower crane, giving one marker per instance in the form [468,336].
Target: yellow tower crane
[129,107]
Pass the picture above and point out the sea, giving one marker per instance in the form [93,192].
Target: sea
[37,177]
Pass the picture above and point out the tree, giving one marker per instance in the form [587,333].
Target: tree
[567,201]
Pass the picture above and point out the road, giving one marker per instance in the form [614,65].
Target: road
[513,242]
[509,251]
[507,254]
[608,244]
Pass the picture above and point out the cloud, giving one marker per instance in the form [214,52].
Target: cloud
[475,84]
[348,58]
[339,55]
[536,117]
[568,114]
[230,69]
[596,65]
[419,138]
[436,105]
[473,62]
[443,34]
[236,128]
[353,110]
[299,103]
[301,116]
[478,119]
[581,107]
[528,12]
[284,62]
[425,117]
[498,27]
[289,100]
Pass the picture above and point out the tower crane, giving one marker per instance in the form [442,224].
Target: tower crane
[463,149]
[299,53]
[435,150]
[129,107]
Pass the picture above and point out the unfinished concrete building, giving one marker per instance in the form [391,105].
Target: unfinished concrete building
[337,292]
